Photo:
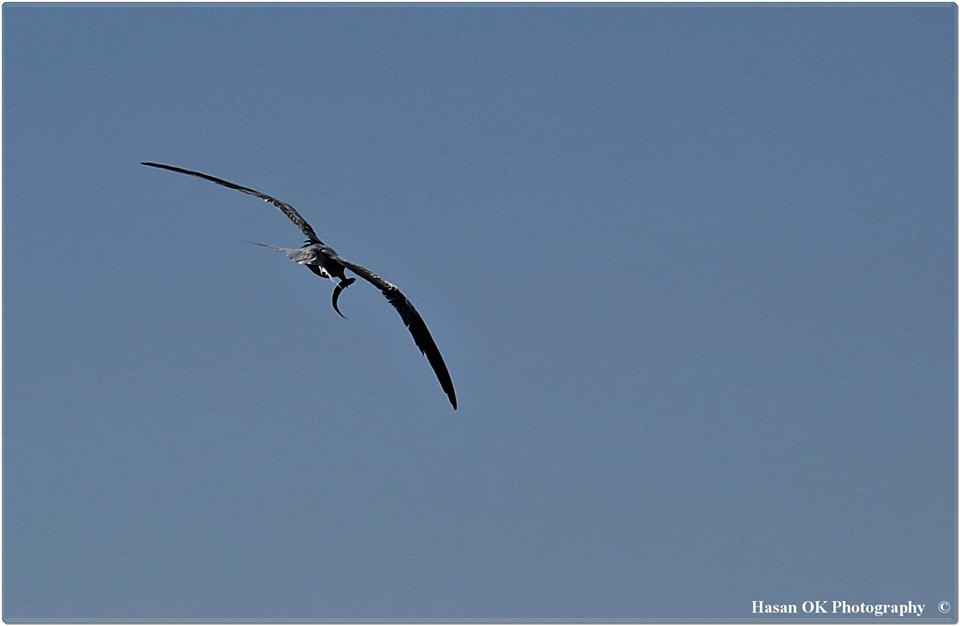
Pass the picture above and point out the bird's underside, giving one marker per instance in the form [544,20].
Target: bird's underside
[316,257]
[323,261]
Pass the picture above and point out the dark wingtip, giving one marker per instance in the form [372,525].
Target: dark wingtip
[161,166]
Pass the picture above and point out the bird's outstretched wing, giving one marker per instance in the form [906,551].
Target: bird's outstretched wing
[413,321]
[288,210]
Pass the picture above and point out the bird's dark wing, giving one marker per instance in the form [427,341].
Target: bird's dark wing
[413,321]
[288,210]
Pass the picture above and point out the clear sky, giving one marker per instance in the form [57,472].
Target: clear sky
[692,269]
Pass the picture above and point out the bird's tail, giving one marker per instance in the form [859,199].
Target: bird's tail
[293,253]
[266,245]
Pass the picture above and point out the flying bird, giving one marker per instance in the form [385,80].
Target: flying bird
[323,261]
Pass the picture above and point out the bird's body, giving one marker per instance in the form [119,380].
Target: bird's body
[320,259]
[324,261]
[317,257]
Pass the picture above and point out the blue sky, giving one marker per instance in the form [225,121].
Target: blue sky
[692,269]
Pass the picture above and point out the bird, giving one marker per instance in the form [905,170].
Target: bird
[324,261]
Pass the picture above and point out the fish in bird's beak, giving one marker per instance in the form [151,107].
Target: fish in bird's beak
[336,294]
